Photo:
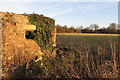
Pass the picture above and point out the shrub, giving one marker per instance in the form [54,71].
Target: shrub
[45,28]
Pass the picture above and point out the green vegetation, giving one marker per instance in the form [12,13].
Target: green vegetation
[92,41]
[45,27]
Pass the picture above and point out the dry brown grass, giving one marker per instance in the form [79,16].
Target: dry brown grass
[76,62]
[82,63]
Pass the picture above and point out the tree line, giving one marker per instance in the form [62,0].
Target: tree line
[113,28]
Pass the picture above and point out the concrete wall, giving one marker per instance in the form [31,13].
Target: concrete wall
[0,45]
[16,49]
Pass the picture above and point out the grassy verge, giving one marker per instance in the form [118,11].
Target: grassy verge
[88,34]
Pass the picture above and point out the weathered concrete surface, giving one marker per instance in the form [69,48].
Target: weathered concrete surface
[0,46]
[16,49]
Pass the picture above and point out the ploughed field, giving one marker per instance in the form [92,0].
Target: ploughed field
[93,56]
[92,41]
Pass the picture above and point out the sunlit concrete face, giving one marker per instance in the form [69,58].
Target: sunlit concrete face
[0,46]
[15,48]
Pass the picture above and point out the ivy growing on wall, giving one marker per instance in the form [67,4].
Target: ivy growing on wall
[45,27]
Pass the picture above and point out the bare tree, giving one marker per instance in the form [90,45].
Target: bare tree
[94,27]
[78,29]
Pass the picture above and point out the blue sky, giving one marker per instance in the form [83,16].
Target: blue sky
[69,13]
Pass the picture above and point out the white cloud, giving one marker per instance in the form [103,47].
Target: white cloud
[60,12]
[48,9]
[56,10]
[12,7]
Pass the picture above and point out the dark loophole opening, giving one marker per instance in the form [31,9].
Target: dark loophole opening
[30,34]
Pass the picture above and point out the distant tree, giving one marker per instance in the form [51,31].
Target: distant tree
[81,27]
[64,28]
[86,30]
[94,27]
[71,29]
[101,30]
[112,28]
[58,27]
[78,29]
[61,29]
